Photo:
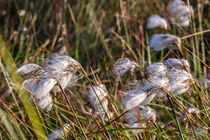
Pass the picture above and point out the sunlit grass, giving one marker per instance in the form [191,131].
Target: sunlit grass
[96,34]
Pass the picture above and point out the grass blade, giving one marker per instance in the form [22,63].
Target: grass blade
[25,98]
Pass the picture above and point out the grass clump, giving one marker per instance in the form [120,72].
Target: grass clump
[88,71]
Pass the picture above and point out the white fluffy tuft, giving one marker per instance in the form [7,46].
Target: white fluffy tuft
[98,100]
[180,13]
[28,68]
[161,41]
[134,98]
[155,21]
[123,65]
[133,117]
[58,70]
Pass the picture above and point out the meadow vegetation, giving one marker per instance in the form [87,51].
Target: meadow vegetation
[97,70]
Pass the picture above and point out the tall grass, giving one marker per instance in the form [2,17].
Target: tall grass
[96,33]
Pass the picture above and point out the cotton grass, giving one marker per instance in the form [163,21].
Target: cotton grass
[138,118]
[172,75]
[54,73]
[161,41]
[97,95]
[123,65]
[155,21]
[59,134]
[180,13]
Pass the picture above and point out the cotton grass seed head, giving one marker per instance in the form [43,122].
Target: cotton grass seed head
[157,81]
[55,73]
[156,69]
[59,133]
[157,86]
[63,79]
[178,75]
[138,117]
[154,84]
[193,111]
[141,113]
[155,21]
[180,13]
[176,3]
[162,41]
[98,100]
[122,66]
[134,85]
[134,98]
[39,87]
[45,103]
[74,79]
[62,63]
[177,64]
[147,113]
[28,69]
[180,81]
